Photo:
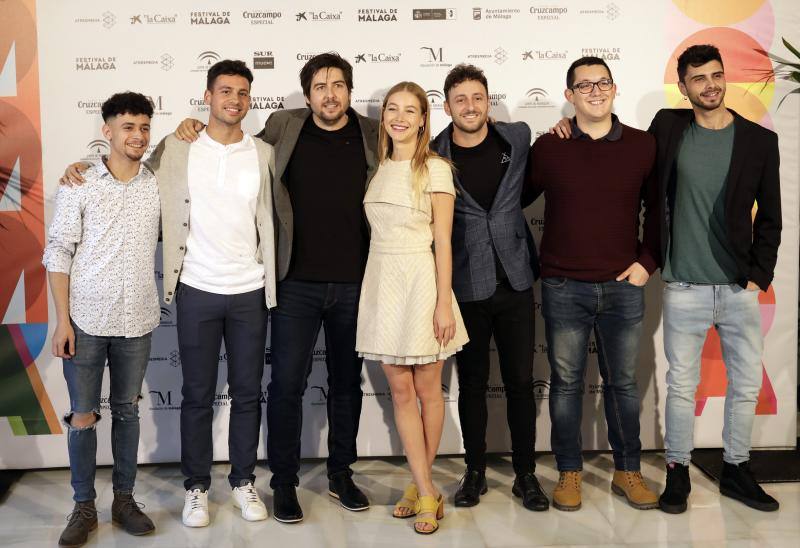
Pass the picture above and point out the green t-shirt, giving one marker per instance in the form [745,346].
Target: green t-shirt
[698,250]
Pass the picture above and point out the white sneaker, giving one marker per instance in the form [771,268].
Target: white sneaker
[195,508]
[246,498]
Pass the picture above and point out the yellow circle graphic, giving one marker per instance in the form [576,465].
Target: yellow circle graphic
[719,12]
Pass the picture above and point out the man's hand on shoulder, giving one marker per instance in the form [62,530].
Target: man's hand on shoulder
[73,175]
[189,130]
[562,129]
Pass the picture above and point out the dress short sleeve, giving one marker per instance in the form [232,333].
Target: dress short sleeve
[441,177]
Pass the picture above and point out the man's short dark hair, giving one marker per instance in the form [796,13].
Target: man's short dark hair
[462,73]
[584,62]
[128,102]
[321,61]
[697,56]
[227,67]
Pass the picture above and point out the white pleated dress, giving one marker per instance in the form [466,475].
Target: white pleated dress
[398,294]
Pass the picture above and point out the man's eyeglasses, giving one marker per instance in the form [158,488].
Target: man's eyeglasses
[604,84]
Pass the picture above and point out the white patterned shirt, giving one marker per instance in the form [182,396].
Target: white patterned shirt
[104,235]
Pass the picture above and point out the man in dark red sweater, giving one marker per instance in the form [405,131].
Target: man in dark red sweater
[594,269]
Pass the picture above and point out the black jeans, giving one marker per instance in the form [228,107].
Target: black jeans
[303,307]
[508,314]
[204,319]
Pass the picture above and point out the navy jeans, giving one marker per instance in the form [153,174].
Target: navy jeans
[614,311]
[303,307]
[127,361]
[204,319]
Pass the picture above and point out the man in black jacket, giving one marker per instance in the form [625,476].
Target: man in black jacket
[713,165]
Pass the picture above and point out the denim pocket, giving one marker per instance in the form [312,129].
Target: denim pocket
[556,282]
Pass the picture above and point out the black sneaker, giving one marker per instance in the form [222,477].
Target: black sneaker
[737,482]
[341,486]
[285,506]
[471,487]
[676,492]
[127,513]
[80,522]
[527,487]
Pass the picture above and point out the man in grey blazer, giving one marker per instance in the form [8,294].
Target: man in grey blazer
[494,266]
[325,156]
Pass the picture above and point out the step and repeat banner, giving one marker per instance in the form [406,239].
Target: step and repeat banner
[60,59]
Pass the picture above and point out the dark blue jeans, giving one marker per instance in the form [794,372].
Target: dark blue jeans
[614,311]
[204,320]
[127,362]
[303,307]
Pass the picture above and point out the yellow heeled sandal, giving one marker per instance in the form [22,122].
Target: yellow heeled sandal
[429,505]
[409,501]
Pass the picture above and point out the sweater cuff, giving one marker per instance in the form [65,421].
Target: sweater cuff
[647,261]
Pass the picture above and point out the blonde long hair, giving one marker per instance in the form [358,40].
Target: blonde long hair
[422,150]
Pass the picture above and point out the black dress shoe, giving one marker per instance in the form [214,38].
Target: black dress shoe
[341,486]
[285,507]
[473,485]
[737,482]
[527,487]
[676,492]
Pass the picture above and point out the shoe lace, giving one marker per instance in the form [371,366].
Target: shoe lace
[249,492]
[80,513]
[131,505]
[568,477]
[194,499]
[634,479]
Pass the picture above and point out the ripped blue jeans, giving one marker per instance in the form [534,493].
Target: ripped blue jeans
[127,361]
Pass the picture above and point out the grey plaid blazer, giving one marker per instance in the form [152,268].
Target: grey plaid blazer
[476,230]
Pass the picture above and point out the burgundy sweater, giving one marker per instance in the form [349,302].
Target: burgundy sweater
[593,194]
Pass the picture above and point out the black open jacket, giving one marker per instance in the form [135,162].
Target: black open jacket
[752,178]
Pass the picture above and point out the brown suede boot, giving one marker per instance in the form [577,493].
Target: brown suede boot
[126,513]
[82,520]
[567,494]
[631,485]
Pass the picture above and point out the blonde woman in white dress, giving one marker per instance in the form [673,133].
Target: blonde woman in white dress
[408,318]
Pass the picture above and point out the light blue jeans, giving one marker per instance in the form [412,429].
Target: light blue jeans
[689,310]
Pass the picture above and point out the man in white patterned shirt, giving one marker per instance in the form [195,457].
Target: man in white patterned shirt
[100,262]
[219,267]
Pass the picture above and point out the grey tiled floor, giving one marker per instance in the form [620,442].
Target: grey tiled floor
[33,514]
